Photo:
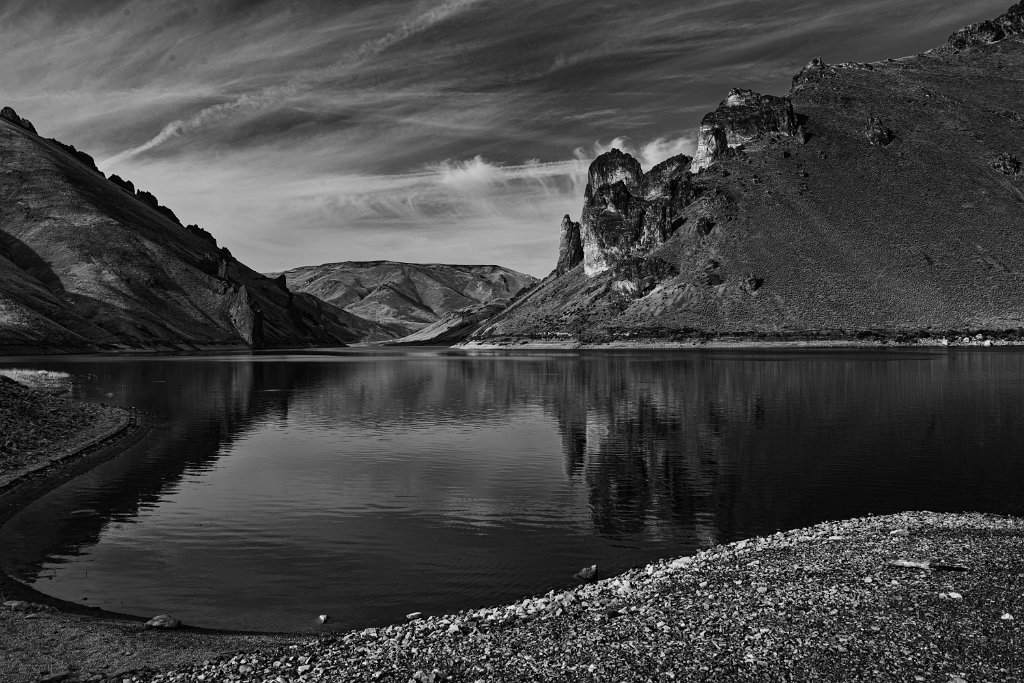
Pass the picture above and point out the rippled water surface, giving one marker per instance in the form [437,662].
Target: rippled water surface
[367,484]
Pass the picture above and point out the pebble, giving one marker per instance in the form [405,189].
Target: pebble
[163,621]
[690,619]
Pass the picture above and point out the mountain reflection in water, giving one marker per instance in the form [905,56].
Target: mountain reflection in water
[366,483]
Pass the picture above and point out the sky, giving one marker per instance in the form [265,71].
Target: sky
[430,131]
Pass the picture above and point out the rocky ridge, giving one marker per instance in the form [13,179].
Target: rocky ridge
[871,199]
[86,265]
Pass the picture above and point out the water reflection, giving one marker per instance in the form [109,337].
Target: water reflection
[446,481]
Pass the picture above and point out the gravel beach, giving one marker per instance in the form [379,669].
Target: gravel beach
[915,596]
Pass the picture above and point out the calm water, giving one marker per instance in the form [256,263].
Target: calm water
[369,484]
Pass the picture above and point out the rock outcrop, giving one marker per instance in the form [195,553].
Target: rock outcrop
[8,114]
[631,213]
[870,201]
[742,117]
[570,246]
[991,30]
[878,133]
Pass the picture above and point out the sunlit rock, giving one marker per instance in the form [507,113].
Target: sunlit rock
[742,117]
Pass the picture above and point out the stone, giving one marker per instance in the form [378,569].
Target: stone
[413,616]
[877,132]
[323,618]
[1007,164]
[163,621]
[587,574]
[17,605]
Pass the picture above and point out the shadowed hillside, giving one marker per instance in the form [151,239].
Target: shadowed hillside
[89,263]
[406,297]
[881,198]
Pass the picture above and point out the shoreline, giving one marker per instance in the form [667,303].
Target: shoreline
[875,340]
[91,644]
[727,343]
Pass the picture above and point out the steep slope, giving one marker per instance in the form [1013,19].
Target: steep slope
[86,264]
[405,297]
[882,198]
[456,326]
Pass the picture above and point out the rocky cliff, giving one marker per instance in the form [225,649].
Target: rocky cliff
[86,265]
[405,297]
[871,199]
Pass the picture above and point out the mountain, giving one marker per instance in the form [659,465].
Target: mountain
[405,297]
[90,263]
[871,199]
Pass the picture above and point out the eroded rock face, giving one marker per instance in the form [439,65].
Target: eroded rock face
[612,167]
[246,315]
[626,213]
[12,116]
[570,248]
[657,182]
[991,30]
[742,117]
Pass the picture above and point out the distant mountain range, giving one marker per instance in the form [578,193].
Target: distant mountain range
[407,297]
[872,200]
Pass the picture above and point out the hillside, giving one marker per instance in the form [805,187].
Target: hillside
[405,297]
[88,263]
[871,199]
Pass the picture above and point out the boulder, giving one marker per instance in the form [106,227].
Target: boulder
[877,132]
[163,621]
[587,574]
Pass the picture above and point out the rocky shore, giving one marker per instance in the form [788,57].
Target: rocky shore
[872,341]
[914,596]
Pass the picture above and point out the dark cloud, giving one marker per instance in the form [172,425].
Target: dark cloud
[305,131]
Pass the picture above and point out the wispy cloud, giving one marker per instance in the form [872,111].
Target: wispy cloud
[442,130]
[268,96]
